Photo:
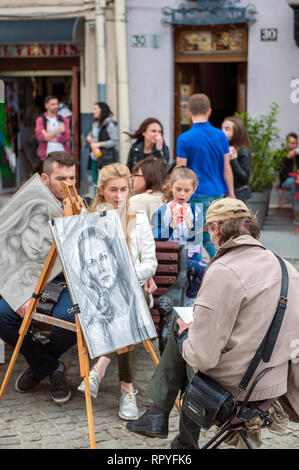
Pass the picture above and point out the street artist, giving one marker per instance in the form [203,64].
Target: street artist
[233,311]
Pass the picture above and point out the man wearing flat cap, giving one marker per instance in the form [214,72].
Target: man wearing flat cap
[232,313]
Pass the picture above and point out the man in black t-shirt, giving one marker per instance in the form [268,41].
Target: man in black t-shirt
[287,181]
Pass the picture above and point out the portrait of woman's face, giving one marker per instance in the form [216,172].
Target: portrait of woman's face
[102,281]
[100,266]
[26,239]
[36,239]
[106,266]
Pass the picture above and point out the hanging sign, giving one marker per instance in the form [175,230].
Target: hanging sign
[38,50]
[209,12]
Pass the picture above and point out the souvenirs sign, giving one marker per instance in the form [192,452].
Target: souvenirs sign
[38,50]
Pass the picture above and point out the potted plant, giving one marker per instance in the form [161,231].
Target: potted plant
[267,156]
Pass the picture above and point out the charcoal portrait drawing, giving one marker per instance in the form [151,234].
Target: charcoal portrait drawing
[102,280]
[25,240]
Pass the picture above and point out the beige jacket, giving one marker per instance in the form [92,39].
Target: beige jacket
[233,310]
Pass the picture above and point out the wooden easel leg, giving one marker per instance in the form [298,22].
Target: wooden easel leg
[148,345]
[22,332]
[150,349]
[27,318]
[84,372]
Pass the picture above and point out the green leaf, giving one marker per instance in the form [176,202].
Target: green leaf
[267,151]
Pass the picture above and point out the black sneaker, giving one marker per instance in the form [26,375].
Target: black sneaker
[60,391]
[26,381]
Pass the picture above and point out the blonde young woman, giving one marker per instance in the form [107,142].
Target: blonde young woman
[113,192]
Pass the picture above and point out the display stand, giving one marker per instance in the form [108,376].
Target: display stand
[73,205]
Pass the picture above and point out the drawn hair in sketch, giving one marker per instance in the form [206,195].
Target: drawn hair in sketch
[25,241]
[102,269]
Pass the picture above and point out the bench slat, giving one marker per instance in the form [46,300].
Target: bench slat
[167,254]
[160,291]
[167,269]
[167,247]
[164,280]
[167,257]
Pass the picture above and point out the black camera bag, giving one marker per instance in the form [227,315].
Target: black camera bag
[205,399]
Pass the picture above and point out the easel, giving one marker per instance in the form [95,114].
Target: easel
[73,205]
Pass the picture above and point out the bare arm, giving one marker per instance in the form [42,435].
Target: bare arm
[49,136]
[181,161]
[228,175]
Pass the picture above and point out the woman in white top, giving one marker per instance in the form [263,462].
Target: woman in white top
[113,191]
[148,178]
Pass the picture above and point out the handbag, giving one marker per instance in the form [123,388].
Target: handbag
[108,156]
[205,400]
[49,298]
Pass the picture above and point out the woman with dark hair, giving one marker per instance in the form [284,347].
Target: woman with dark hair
[148,178]
[149,142]
[240,156]
[103,139]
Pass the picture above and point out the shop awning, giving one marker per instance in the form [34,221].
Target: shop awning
[60,30]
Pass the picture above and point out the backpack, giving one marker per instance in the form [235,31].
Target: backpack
[44,118]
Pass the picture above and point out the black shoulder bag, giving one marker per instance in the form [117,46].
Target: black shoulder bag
[205,400]
[49,298]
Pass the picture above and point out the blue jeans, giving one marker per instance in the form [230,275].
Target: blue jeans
[289,184]
[196,269]
[42,358]
[94,171]
[206,201]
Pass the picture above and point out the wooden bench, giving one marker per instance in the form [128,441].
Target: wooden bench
[169,257]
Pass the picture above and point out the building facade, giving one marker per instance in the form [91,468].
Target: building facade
[242,54]
[144,58]
[68,48]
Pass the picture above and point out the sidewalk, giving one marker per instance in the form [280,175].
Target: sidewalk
[278,235]
[34,421]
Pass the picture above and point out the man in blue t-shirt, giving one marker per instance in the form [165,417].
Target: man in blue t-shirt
[205,149]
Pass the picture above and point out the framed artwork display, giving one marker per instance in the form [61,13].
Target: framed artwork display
[102,282]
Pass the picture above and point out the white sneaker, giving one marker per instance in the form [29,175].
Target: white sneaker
[128,407]
[94,382]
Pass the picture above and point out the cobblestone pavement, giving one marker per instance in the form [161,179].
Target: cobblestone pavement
[34,421]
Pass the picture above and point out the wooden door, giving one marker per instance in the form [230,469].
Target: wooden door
[242,88]
[184,88]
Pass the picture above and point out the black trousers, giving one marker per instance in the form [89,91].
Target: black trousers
[170,377]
